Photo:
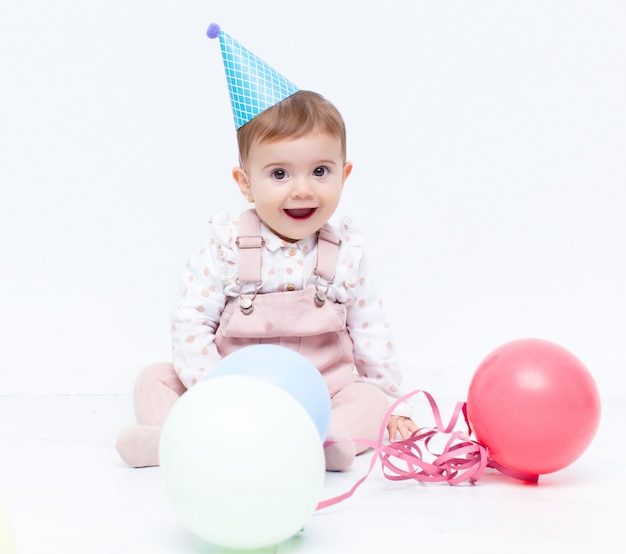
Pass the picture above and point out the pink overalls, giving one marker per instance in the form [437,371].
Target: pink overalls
[303,320]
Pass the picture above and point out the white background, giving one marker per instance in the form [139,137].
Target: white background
[488,139]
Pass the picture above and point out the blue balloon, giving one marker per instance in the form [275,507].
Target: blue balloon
[286,369]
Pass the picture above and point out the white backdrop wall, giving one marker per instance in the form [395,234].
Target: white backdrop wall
[488,139]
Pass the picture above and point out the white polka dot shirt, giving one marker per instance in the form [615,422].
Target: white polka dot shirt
[210,278]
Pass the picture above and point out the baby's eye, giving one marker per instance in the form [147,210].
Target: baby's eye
[321,171]
[279,174]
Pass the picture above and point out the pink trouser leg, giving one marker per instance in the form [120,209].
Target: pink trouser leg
[357,413]
[157,388]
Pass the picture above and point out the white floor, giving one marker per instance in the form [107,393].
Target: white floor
[65,491]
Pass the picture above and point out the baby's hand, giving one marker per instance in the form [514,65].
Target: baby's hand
[400,424]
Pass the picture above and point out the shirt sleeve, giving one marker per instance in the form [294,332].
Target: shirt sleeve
[375,353]
[201,300]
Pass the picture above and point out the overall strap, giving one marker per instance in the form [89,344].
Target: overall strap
[327,252]
[249,242]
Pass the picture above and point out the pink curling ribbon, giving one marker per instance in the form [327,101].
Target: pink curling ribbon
[461,458]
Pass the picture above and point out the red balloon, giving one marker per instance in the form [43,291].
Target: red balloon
[534,405]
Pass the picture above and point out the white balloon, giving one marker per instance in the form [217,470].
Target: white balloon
[7,545]
[242,462]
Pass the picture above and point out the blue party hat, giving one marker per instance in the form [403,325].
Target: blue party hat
[253,85]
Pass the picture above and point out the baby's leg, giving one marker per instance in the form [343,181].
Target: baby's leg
[157,388]
[357,413]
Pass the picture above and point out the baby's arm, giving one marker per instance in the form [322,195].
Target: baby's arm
[374,350]
[375,353]
[196,317]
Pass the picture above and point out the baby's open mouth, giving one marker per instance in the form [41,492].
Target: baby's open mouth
[300,213]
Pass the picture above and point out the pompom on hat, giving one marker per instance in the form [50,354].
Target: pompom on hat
[253,85]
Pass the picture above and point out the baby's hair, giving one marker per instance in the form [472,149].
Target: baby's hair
[295,116]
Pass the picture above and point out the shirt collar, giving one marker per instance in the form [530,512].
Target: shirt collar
[273,242]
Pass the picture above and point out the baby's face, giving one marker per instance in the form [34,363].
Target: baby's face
[295,184]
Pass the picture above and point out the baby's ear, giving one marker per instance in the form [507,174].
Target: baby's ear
[240,177]
[347,169]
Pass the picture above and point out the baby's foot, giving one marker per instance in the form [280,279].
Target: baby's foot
[138,445]
[339,455]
